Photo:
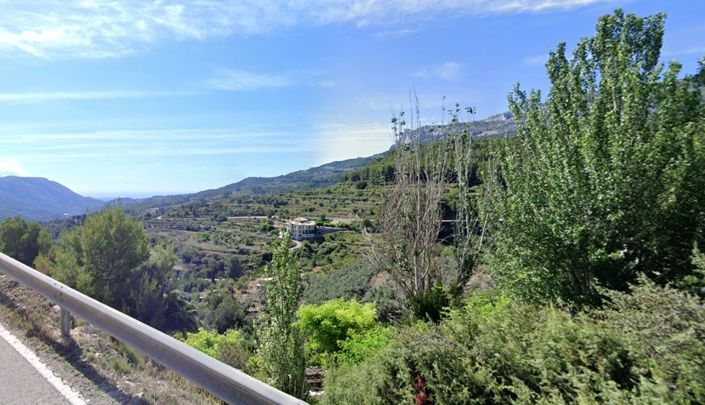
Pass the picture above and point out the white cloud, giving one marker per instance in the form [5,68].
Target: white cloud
[395,33]
[242,80]
[448,71]
[328,142]
[105,28]
[38,97]
[12,167]
[535,60]
[41,148]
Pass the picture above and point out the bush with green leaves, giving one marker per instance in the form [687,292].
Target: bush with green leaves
[328,325]
[364,344]
[226,347]
[647,346]
[605,179]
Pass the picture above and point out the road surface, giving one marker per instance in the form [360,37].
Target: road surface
[21,384]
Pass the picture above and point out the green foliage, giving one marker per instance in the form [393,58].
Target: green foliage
[23,240]
[604,181]
[386,299]
[209,342]
[112,246]
[108,258]
[226,347]
[695,283]
[328,325]
[429,306]
[132,356]
[119,365]
[66,262]
[365,344]
[345,282]
[228,314]
[169,312]
[647,346]
[281,343]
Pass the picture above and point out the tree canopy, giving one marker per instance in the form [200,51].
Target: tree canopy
[23,240]
[607,182]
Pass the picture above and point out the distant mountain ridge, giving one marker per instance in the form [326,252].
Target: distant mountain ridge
[500,125]
[39,199]
[319,176]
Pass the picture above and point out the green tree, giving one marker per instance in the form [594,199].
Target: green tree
[23,240]
[605,180]
[113,245]
[66,262]
[233,267]
[109,258]
[281,343]
[228,313]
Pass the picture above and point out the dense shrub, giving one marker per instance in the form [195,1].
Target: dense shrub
[110,259]
[643,347]
[387,302]
[329,324]
[365,344]
[695,283]
[226,347]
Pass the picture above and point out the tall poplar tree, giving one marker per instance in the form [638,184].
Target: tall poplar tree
[281,342]
[608,179]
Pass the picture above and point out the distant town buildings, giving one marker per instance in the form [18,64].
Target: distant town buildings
[301,228]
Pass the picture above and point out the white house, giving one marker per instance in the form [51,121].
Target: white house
[301,228]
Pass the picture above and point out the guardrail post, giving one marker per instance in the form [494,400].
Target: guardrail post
[65,323]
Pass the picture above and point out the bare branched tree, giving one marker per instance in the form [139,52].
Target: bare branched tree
[469,226]
[406,245]
[410,220]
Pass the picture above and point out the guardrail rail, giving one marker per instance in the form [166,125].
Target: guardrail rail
[229,384]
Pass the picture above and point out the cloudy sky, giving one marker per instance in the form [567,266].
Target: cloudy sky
[145,97]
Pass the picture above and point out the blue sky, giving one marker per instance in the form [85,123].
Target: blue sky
[137,98]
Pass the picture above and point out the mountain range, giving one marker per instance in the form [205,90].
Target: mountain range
[39,199]
[320,176]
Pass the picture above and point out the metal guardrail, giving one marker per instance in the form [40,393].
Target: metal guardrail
[229,384]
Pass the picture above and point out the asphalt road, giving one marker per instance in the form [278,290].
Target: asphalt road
[21,384]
